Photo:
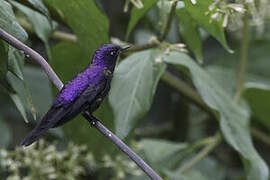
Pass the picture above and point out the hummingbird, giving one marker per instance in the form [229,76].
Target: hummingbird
[84,92]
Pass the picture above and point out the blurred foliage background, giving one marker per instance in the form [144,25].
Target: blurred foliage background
[191,97]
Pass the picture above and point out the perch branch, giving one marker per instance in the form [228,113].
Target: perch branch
[98,125]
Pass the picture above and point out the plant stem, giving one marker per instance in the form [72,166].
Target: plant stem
[169,22]
[204,152]
[58,83]
[185,90]
[265,138]
[55,35]
[243,58]
[141,47]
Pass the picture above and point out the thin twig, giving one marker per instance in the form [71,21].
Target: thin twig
[203,153]
[169,22]
[141,47]
[265,138]
[243,59]
[100,127]
[184,89]
[55,35]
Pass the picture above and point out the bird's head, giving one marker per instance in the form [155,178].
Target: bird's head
[107,55]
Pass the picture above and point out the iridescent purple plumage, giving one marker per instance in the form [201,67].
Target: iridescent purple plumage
[85,91]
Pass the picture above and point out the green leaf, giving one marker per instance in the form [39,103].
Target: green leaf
[38,4]
[137,14]
[87,22]
[190,33]
[258,98]
[19,98]
[233,119]
[4,67]
[15,62]
[15,66]
[214,27]
[162,154]
[42,27]
[5,134]
[40,89]
[9,23]
[135,79]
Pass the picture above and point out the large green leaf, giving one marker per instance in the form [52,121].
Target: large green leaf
[68,61]
[189,30]
[198,12]
[9,23]
[162,154]
[41,25]
[258,97]
[233,119]
[133,87]
[86,20]
[137,14]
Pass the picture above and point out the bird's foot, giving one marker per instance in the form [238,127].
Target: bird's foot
[91,119]
[94,120]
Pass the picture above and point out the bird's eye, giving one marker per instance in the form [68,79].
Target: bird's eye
[112,53]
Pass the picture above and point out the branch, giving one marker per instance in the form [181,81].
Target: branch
[100,127]
[169,22]
[55,35]
[204,152]
[243,58]
[185,90]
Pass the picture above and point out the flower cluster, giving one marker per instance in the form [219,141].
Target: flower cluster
[231,12]
[41,161]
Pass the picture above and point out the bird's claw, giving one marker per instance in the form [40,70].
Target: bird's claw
[93,122]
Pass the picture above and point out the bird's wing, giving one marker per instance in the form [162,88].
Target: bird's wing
[89,96]
[60,114]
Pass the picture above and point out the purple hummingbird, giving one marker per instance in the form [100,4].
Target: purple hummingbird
[85,91]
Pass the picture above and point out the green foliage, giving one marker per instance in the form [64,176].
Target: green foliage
[41,25]
[233,118]
[139,105]
[86,21]
[201,15]
[258,98]
[139,75]
[190,32]
[137,14]
[9,23]
[38,4]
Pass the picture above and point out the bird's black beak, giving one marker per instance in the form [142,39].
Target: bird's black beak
[124,48]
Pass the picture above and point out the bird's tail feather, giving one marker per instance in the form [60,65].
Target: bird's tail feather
[33,136]
[49,120]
